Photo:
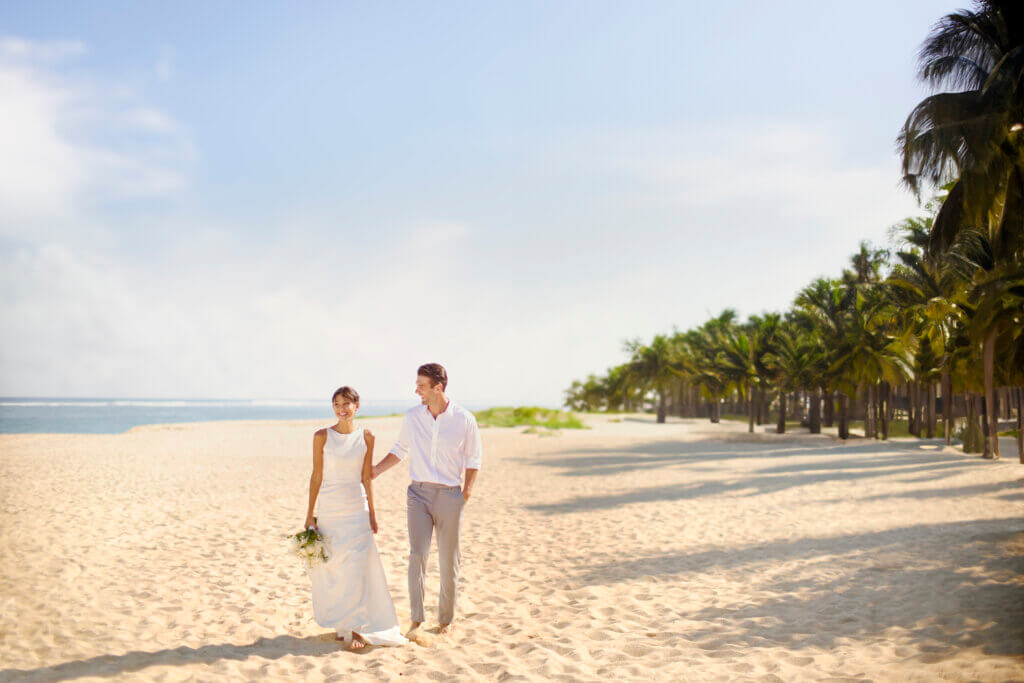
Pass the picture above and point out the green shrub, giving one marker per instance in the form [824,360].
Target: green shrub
[528,416]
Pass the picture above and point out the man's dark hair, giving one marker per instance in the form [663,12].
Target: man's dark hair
[435,372]
[346,392]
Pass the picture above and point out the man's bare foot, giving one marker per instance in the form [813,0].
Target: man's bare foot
[357,642]
[415,625]
[444,628]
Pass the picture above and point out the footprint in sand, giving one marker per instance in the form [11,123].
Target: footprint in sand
[486,669]
[636,649]
[421,638]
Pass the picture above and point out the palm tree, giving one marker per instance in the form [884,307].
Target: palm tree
[793,362]
[654,365]
[926,288]
[620,388]
[999,317]
[822,306]
[736,361]
[705,362]
[871,352]
[974,136]
[763,330]
[970,130]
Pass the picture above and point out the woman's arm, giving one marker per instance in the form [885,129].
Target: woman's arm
[315,479]
[368,477]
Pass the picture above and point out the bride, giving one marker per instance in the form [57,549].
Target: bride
[350,591]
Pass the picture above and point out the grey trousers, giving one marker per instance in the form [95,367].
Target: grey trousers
[434,506]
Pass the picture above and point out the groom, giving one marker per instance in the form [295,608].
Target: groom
[442,441]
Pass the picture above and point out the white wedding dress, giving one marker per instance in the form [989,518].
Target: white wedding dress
[350,591]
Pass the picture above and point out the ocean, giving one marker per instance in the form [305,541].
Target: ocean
[113,416]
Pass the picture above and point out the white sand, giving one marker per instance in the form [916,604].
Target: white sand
[630,551]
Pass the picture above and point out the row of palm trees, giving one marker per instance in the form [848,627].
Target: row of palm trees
[936,326]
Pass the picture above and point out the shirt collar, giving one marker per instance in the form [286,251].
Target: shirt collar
[449,410]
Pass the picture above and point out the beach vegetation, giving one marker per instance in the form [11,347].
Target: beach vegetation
[528,416]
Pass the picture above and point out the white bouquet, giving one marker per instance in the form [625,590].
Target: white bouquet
[310,547]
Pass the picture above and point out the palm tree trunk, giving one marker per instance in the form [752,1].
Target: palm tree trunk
[829,409]
[922,408]
[885,401]
[814,420]
[1020,423]
[972,429]
[662,407]
[750,408]
[869,412]
[932,420]
[971,425]
[947,402]
[781,427]
[890,403]
[992,421]
[985,443]
[844,422]
[911,388]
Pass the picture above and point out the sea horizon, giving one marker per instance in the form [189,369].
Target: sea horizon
[115,415]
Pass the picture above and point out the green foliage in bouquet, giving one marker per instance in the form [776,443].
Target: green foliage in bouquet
[310,547]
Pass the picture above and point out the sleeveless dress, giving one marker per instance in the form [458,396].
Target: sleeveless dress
[350,591]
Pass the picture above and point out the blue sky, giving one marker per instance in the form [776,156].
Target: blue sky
[269,200]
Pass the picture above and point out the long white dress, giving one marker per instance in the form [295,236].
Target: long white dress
[350,591]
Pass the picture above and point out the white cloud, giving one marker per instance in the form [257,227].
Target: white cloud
[14,48]
[40,170]
[54,169]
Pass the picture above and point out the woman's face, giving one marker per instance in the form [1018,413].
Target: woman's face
[344,408]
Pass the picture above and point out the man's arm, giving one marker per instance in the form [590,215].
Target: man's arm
[472,456]
[467,488]
[389,461]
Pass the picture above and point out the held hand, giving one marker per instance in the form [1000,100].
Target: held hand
[465,495]
[373,522]
[310,522]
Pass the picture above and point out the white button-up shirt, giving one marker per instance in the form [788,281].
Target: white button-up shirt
[441,449]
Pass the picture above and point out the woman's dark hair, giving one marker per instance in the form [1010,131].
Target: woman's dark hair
[435,372]
[346,392]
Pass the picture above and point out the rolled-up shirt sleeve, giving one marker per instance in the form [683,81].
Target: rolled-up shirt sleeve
[472,448]
[401,447]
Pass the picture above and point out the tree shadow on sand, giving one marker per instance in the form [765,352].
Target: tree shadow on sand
[946,586]
[136,660]
[586,462]
[599,462]
[906,460]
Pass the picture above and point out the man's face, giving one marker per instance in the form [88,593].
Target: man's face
[344,408]
[424,389]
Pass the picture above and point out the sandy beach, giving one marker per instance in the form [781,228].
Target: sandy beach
[631,550]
